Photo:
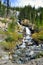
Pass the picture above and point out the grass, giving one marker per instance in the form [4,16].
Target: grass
[39,25]
[1,32]
[39,55]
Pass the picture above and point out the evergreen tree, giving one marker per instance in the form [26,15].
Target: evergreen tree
[0,7]
[6,2]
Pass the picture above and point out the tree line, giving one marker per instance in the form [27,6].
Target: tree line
[34,15]
[5,5]
[28,12]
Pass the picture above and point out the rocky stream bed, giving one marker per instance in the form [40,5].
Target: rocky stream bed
[24,53]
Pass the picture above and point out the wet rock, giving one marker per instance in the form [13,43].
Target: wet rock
[22,55]
[4,59]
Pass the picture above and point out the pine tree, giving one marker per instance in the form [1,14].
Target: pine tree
[6,2]
[0,7]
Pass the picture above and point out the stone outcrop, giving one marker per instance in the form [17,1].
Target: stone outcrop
[27,23]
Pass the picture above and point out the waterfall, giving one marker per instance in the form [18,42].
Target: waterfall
[27,37]
[23,44]
[28,32]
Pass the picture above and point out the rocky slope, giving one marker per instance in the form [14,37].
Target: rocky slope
[32,62]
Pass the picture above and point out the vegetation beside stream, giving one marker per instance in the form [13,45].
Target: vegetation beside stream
[12,33]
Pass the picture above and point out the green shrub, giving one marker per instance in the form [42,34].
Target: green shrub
[38,36]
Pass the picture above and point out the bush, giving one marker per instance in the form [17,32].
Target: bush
[8,45]
[38,36]
[39,55]
[20,36]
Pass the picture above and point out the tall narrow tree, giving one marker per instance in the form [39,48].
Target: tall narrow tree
[7,7]
[0,3]
[6,2]
[0,6]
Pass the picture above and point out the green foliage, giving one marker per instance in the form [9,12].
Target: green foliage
[12,35]
[2,9]
[34,15]
[38,36]
[25,13]
[12,40]
[12,17]
[20,36]
[4,21]
[11,26]
[9,39]
[39,55]
[1,32]
[8,45]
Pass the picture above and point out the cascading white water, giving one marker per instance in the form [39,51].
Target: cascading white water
[27,37]
[28,32]
[23,44]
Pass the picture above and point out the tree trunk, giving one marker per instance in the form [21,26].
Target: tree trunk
[7,7]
